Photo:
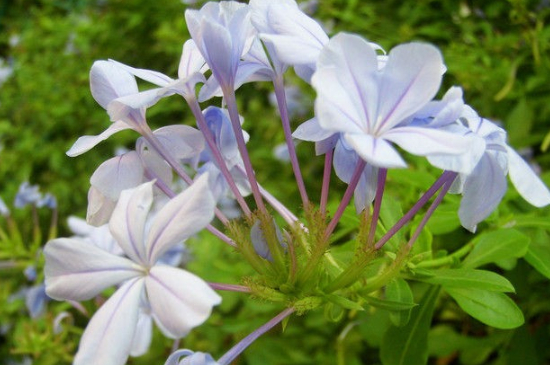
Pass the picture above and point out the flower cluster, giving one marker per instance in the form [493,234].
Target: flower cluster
[370,105]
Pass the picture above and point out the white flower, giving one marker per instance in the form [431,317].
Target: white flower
[178,300]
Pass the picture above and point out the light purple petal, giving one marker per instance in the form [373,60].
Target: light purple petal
[118,173]
[334,108]
[86,143]
[143,334]
[183,141]
[191,358]
[109,81]
[354,64]
[120,108]
[345,161]
[78,270]
[191,60]
[100,208]
[482,192]
[127,223]
[107,339]
[183,216]
[218,49]
[35,300]
[410,79]
[153,77]
[154,165]
[375,151]
[426,141]
[530,187]
[365,191]
[296,38]
[98,236]
[179,300]
[310,130]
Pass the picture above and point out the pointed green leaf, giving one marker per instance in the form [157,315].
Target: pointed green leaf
[492,308]
[398,290]
[470,279]
[408,345]
[538,256]
[497,245]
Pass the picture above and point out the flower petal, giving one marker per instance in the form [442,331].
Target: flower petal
[375,151]
[310,130]
[334,108]
[78,270]
[183,141]
[409,81]
[483,190]
[100,208]
[121,108]
[530,187]
[108,337]
[86,143]
[153,77]
[127,223]
[350,63]
[143,335]
[117,174]
[434,142]
[184,215]
[179,300]
[109,81]
[296,38]
[191,60]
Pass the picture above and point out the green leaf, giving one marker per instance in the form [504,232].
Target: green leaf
[531,221]
[538,256]
[398,290]
[470,279]
[408,345]
[343,302]
[497,245]
[492,308]
[388,305]
[444,220]
[390,213]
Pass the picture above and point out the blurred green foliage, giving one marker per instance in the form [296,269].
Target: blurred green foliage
[498,51]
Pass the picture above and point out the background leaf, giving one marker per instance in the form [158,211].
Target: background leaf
[492,308]
[497,245]
[470,279]
[398,290]
[409,345]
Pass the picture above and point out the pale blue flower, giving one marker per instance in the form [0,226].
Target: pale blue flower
[27,195]
[36,299]
[191,358]
[218,123]
[179,300]
[190,72]
[259,242]
[108,82]
[223,33]
[291,37]
[99,236]
[4,210]
[368,105]
[48,201]
[483,188]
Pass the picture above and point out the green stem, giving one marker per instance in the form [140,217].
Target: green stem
[447,260]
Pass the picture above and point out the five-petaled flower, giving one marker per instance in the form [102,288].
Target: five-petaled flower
[177,299]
